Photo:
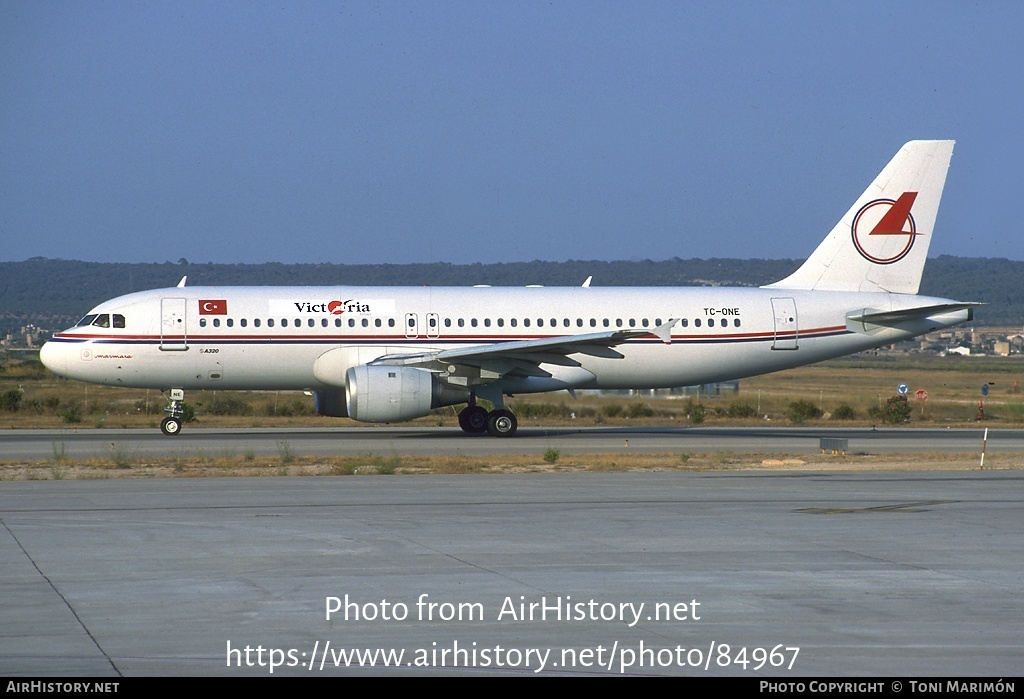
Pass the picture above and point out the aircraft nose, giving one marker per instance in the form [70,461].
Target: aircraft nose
[52,357]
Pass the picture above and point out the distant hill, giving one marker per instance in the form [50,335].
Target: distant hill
[53,293]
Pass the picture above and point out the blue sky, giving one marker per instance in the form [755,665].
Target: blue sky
[461,132]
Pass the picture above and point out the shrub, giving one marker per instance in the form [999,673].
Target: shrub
[10,400]
[844,412]
[71,413]
[611,410]
[551,455]
[638,409]
[697,412]
[803,410]
[896,411]
[188,413]
[742,410]
[228,406]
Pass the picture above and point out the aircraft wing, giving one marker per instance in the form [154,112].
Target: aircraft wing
[524,357]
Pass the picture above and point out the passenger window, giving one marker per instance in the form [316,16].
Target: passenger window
[378,322]
[472,321]
[351,322]
[270,322]
[579,322]
[311,323]
[256,322]
[526,322]
[462,323]
[216,322]
[605,322]
[323,322]
[736,322]
[711,322]
[593,322]
[391,322]
[696,323]
[366,322]
[618,322]
[447,322]
[202,322]
[513,322]
[684,322]
[243,322]
[231,322]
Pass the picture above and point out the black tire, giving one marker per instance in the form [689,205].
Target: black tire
[473,419]
[171,426]
[502,423]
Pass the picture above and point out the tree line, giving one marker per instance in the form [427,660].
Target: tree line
[52,293]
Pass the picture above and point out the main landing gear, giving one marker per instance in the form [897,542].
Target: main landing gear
[474,419]
[171,425]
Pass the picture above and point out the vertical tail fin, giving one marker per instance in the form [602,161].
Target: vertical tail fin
[882,241]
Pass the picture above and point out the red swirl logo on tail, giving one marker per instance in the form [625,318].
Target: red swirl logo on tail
[884,230]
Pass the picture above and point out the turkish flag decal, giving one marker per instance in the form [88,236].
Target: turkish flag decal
[213,307]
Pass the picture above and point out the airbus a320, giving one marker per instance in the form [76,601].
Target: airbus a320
[390,354]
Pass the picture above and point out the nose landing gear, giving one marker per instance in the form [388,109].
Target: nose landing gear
[171,425]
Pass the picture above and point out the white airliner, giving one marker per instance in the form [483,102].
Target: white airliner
[388,354]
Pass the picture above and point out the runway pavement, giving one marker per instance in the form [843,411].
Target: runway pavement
[742,574]
[40,445]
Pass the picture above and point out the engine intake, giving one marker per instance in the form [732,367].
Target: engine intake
[394,394]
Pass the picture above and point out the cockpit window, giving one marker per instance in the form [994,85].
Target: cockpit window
[86,320]
[102,320]
[118,320]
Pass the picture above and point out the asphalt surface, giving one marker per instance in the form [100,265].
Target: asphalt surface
[40,445]
[908,574]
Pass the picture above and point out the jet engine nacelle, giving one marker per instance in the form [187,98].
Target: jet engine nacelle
[394,394]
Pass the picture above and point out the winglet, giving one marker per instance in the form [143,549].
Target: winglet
[182,282]
[586,284]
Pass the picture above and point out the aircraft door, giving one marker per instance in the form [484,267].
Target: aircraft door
[433,325]
[786,325]
[173,333]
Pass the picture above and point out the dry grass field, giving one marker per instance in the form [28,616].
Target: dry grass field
[838,393]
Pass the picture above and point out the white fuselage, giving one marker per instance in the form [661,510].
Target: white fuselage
[259,338]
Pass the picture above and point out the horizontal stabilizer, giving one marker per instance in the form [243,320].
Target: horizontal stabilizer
[891,318]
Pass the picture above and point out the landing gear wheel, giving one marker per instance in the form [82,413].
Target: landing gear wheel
[473,419]
[501,423]
[171,426]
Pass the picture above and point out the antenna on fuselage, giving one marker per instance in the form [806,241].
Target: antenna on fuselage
[182,282]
